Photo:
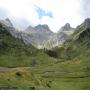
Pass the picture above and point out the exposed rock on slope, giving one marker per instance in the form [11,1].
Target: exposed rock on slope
[37,35]
[40,36]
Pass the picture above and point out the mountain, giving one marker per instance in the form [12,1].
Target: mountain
[15,52]
[85,24]
[37,35]
[40,36]
[13,31]
[65,67]
[60,37]
[73,63]
[71,71]
[55,40]
[7,22]
[78,45]
[66,27]
[32,35]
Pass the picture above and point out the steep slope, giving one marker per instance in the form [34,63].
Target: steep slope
[14,52]
[83,26]
[72,69]
[60,37]
[37,35]
[78,45]
[42,37]
[56,40]
[7,22]
[66,27]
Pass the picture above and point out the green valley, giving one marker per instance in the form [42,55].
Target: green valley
[65,67]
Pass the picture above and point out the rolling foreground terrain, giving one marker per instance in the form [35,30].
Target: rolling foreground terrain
[66,66]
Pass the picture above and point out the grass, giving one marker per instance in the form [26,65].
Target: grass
[67,75]
[14,52]
[27,68]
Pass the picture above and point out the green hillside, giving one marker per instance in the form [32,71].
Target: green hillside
[14,52]
[78,46]
[72,70]
[63,68]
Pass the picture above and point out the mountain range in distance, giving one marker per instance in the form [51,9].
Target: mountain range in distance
[64,60]
[41,36]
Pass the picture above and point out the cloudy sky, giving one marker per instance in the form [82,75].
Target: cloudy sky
[55,13]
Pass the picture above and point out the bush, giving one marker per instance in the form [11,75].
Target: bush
[52,53]
[18,74]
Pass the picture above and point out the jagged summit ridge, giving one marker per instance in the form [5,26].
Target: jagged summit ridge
[87,23]
[41,36]
[66,27]
[7,22]
[38,35]
[40,27]
[84,25]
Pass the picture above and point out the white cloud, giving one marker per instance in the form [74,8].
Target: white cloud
[63,11]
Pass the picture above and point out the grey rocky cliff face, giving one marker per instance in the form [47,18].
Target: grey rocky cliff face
[6,22]
[56,40]
[84,25]
[66,27]
[39,36]
[87,23]
[61,36]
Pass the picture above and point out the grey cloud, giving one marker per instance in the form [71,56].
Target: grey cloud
[20,23]
[85,8]
[3,13]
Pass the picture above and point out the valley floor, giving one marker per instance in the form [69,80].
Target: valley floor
[63,75]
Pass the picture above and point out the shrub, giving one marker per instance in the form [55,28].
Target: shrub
[52,53]
[18,74]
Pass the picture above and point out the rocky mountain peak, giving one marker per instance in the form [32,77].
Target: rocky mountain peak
[67,26]
[7,22]
[29,28]
[39,29]
[87,22]
[45,27]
